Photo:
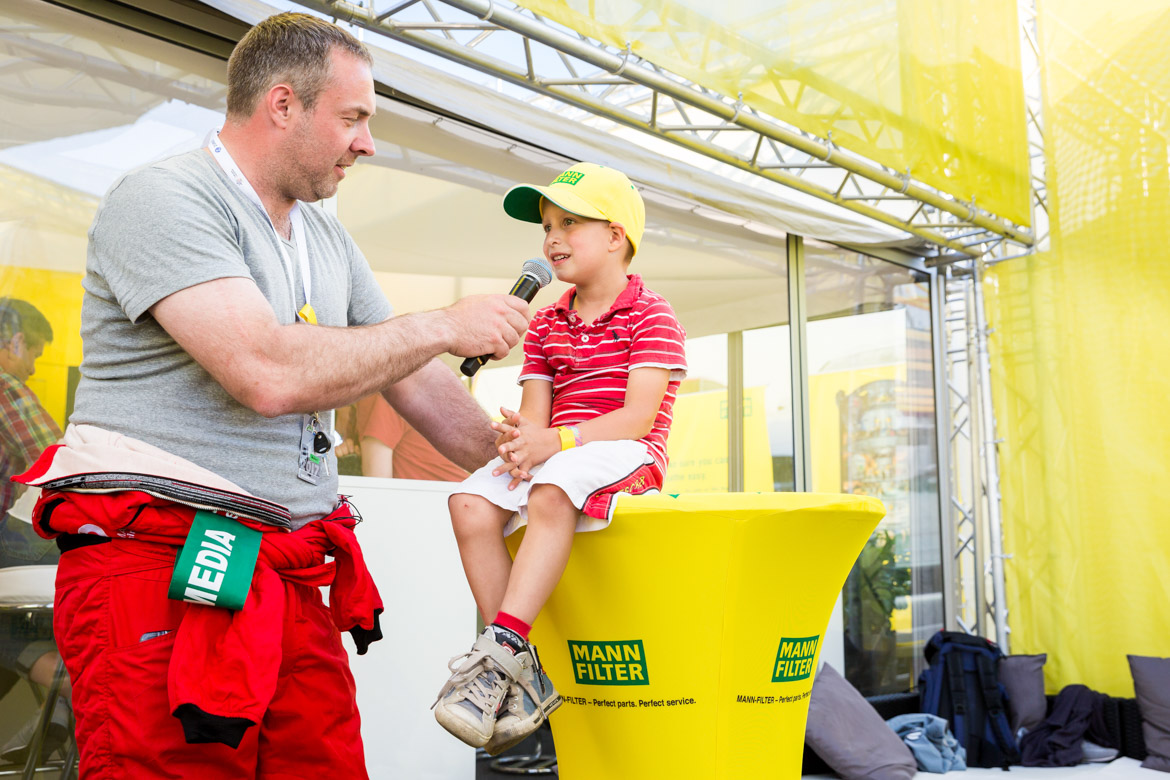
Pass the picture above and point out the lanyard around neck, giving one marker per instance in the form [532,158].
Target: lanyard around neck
[298,224]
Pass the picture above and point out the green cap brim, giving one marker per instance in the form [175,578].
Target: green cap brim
[522,202]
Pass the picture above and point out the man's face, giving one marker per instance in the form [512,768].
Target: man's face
[20,357]
[328,139]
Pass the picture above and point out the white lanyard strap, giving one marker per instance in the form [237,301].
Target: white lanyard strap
[298,224]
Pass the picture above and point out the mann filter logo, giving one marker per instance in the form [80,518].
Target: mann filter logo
[569,177]
[609,663]
[795,659]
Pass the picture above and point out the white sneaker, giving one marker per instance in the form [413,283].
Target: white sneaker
[473,696]
[531,698]
[1094,753]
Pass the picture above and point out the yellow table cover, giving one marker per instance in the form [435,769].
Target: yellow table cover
[685,636]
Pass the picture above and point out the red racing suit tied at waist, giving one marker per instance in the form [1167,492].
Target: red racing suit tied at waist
[225,663]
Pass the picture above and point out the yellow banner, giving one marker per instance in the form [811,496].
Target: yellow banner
[57,294]
[698,444]
[932,87]
[1081,361]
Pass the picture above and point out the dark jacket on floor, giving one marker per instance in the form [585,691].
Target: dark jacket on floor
[1077,714]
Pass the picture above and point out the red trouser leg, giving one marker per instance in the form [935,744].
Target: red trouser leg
[312,722]
[109,597]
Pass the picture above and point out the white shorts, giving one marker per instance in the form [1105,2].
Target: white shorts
[579,471]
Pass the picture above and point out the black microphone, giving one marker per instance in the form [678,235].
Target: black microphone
[535,274]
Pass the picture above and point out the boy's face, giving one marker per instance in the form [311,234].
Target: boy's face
[579,248]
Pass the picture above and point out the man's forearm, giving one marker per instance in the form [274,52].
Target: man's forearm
[230,329]
[435,402]
[325,368]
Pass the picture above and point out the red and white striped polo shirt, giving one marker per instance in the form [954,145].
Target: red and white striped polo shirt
[589,365]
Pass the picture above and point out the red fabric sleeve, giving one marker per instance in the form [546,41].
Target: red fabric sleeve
[535,362]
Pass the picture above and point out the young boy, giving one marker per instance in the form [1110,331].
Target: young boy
[601,369]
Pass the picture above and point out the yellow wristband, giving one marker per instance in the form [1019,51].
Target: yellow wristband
[568,440]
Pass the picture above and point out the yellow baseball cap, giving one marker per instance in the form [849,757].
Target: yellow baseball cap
[586,189]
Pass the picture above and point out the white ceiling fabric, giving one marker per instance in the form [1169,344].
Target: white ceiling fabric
[763,205]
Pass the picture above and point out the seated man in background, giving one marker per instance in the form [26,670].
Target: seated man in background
[26,643]
[27,427]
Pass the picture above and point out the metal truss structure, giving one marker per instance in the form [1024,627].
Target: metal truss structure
[510,43]
[979,603]
[972,495]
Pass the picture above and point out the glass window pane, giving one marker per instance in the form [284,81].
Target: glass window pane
[871,398]
[717,278]
[698,436]
[82,102]
[767,410]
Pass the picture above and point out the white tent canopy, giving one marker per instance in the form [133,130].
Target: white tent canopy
[766,206]
[426,210]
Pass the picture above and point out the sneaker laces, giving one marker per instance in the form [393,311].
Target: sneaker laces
[482,677]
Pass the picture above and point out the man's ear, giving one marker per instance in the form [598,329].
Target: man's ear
[17,345]
[279,103]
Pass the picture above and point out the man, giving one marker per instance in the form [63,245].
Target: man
[27,430]
[218,326]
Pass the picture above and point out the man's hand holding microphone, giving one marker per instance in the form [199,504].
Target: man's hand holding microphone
[486,327]
[485,324]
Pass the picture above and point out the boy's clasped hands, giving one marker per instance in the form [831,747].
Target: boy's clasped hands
[523,444]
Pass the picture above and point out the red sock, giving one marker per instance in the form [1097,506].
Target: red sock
[513,624]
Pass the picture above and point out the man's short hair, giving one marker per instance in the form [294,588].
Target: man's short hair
[17,316]
[289,48]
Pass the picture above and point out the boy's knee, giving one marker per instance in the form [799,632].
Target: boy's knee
[549,500]
[457,502]
[465,504]
[469,513]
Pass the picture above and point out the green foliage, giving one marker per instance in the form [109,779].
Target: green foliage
[883,581]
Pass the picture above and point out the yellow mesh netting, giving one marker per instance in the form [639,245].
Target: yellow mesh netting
[930,87]
[1080,356]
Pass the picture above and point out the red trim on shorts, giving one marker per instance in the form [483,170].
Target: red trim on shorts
[645,478]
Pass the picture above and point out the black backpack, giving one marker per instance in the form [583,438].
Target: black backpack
[962,685]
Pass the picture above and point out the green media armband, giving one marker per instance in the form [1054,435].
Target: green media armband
[216,563]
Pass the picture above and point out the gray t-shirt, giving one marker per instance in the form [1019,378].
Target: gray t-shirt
[172,225]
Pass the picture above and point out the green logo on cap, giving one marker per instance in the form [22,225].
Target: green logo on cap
[794,659]
[569,177]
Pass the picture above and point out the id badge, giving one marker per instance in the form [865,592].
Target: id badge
[311,466]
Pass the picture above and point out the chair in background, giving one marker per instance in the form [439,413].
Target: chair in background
[26,592]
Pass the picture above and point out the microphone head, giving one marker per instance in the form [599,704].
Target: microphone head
[538,269]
